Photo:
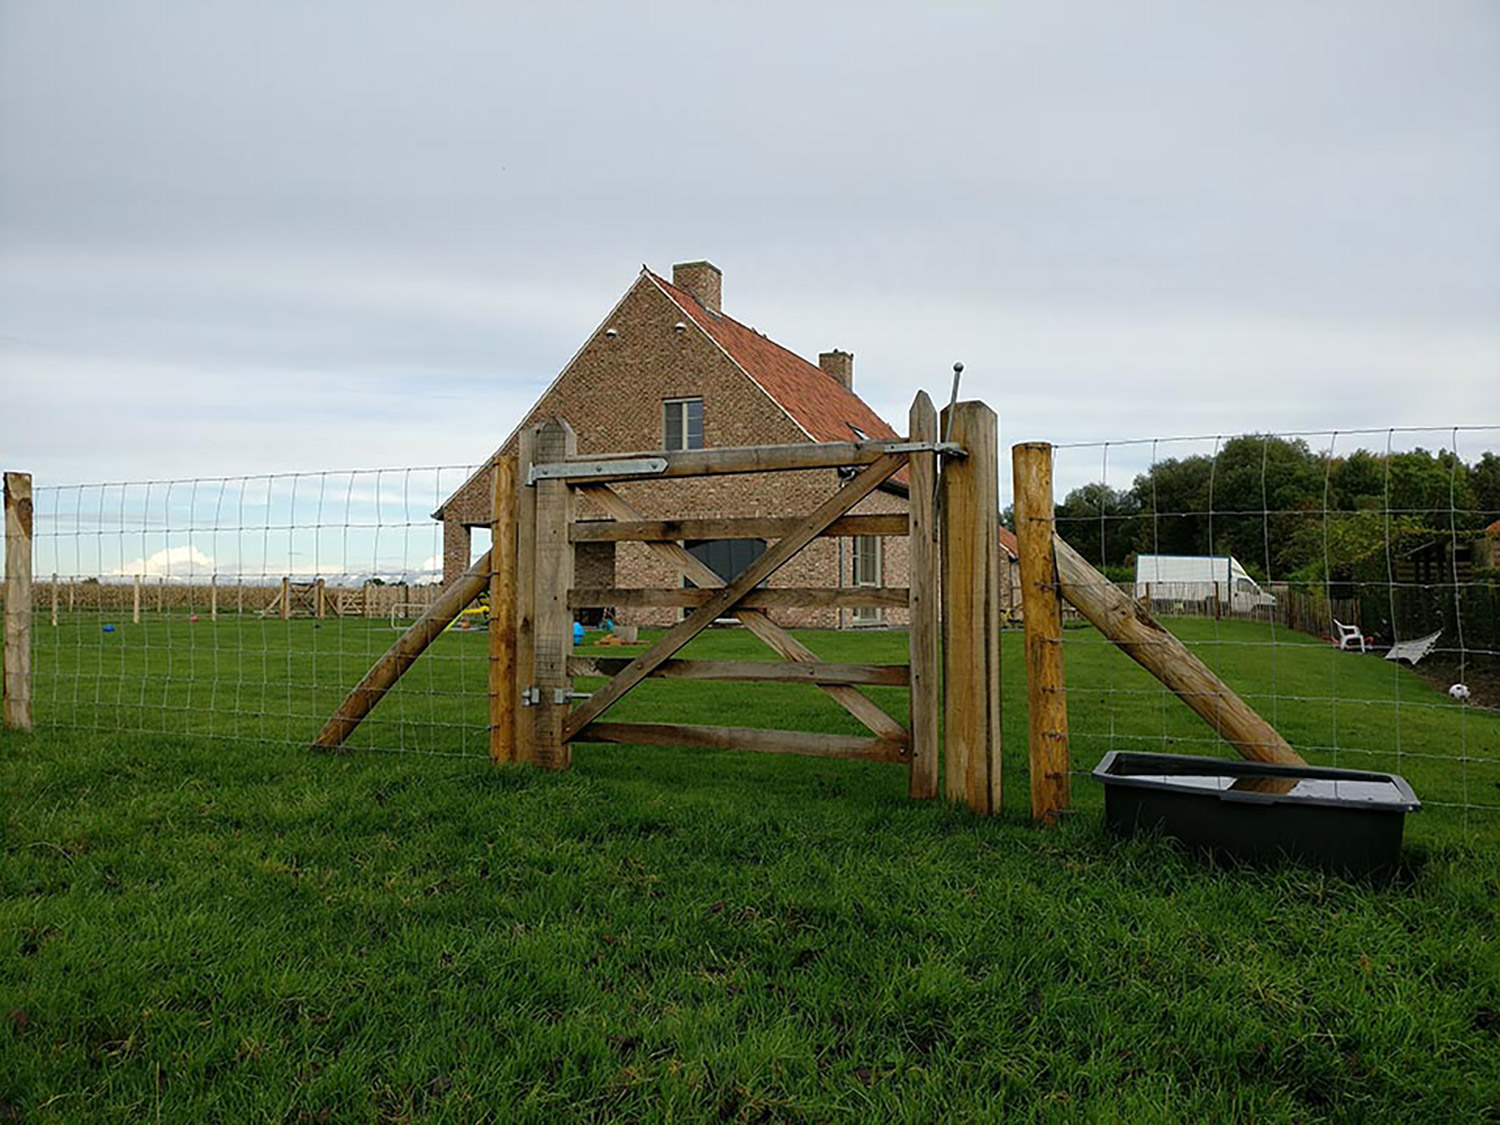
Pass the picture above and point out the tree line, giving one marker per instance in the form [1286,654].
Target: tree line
[1289,513]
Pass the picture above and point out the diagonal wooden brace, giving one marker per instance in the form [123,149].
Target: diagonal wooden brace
[762,568]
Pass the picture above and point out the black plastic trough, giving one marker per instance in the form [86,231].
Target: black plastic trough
[1342,820]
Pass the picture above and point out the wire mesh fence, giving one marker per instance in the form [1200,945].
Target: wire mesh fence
[1346,583]
[245,608]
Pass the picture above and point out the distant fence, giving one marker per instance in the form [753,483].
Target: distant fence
[157,595]
[1310,613]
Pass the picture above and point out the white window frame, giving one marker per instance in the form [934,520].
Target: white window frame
[860,544]
[680,405]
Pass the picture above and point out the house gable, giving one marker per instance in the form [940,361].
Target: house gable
[613,389]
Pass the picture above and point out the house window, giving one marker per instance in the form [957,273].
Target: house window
[682,424]
[725,557]
[866,573]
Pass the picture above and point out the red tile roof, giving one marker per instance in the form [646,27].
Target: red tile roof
[817,402]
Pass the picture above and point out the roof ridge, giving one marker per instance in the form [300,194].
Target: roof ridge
[722,315]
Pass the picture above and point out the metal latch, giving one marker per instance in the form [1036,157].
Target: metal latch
[583,470]
[563,695]
[531,696]
[946,448]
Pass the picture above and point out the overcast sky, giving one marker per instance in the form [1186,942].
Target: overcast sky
[245,237]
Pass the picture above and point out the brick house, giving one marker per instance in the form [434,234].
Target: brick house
[667,369]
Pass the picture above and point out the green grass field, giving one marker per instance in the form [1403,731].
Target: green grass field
[228,927]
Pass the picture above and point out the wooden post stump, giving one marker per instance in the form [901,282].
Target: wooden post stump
[17,660]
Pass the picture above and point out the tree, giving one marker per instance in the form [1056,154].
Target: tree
[1172,496]
[1100,523]
[1484,481]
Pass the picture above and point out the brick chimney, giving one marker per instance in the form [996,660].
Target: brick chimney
[703,282]
[840,365]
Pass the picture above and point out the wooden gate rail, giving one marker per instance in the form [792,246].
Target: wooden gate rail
[750,671]
[747,738]
[734,527]
[782,597]
[656,465]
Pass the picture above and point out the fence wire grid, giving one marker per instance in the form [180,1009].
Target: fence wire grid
[245,608]
[1345,583]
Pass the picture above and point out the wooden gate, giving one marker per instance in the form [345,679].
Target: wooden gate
[550,478]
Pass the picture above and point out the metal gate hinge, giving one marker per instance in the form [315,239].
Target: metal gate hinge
[946,448]
[583,470]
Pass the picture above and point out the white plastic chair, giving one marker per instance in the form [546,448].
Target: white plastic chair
[1349,635]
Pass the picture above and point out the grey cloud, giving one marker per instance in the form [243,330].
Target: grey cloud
[1126,219]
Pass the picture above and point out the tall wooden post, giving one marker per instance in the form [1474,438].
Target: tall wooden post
[213,597]
[54,599]
[286,598]
[72,591]
[553,578]
[525,722]
[135,602]
[504,691]
[161,590]
[322,599]
[18,526]
[971,682]
[1046,694]
[924,636]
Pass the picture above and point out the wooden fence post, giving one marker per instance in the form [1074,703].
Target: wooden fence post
[322,599]
[54,599]
[504,690]
[135,602]
[925,641]
[1046,689]
[525,722]
[18,526]
[286,598]
[213,597]
[971,683]
[161,589]
[553,578]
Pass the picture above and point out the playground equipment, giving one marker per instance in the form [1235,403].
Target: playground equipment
[952,527]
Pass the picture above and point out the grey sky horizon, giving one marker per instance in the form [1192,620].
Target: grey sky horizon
[257,238]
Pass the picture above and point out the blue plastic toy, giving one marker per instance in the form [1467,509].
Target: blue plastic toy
[577,633]
[109,628]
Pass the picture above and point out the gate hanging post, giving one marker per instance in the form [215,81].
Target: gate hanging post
[553,578]
[971,608]
[504,689]
[925,641]
[18,527]
[1041,610]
